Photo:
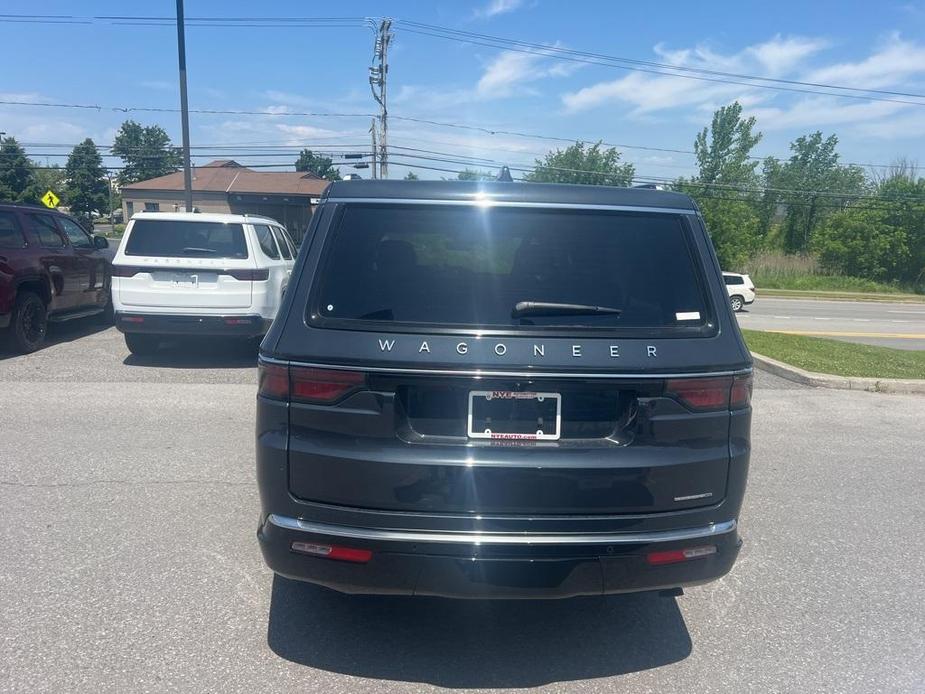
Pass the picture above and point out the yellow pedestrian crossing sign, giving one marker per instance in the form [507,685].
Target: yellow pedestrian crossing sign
[50,199]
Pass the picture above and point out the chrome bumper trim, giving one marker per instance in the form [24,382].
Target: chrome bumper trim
[476,538]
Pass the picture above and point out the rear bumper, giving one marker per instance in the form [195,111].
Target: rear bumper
[180,324]
[496,565]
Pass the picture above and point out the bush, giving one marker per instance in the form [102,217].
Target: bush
[860,241]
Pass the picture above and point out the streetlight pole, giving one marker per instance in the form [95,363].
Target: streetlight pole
[184,108]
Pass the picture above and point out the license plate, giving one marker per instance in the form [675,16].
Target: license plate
[505,414]
[185,279]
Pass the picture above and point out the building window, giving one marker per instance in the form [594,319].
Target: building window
[152,207]
[129,209]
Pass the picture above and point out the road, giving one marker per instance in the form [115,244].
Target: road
[892,325]
[128,560]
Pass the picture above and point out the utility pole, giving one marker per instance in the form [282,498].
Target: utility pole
[378,74]
[372,132]
[184,107]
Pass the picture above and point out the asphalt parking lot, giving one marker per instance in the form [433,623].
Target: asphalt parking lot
[128,560]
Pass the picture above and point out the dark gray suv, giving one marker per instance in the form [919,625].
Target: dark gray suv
[503,390]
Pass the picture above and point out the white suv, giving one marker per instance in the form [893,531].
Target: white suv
[740,288]
[198,274]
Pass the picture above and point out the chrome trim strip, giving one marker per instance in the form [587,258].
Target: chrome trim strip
[479,538]
[489,202]
[487,373]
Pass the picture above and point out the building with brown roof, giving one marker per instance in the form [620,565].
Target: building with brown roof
[225,185]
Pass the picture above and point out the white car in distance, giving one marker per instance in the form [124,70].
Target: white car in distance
[741,290]
[187,273]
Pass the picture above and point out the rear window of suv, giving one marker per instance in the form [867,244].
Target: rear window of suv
[180,239]
[507,267]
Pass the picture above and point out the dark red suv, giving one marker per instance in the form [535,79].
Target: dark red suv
[51,269]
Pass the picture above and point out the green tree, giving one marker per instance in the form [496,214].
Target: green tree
[725,184]
[88,187]
[733,226]
[585,165]
[903,197]
[724,150]
[17,178]
[861,241]
[317,164]
[807,182]
[475,175]
[146,152]
[411,176]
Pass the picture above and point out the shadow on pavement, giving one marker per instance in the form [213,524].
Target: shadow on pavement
[474,644]
[59,333]
[199,353]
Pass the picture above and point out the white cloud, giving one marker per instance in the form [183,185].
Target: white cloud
[894,62]
[496,7]
[780,55]
[818,112]
[647,92]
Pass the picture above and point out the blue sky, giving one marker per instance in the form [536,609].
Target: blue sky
[278,70]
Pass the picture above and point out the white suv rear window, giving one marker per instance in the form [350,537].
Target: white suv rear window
[181,239]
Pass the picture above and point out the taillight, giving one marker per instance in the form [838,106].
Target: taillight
[273,381]
[741,394]
[249,275]
[701,393]
[126,270]
[322,385]
[301,384]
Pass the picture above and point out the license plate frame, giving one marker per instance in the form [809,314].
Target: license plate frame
[477,396]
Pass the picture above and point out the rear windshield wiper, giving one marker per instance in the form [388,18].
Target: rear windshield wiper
[547,308]
[194,249]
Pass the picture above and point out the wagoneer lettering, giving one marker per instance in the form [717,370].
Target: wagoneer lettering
[476,390]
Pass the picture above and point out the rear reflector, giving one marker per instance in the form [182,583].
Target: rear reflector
[300,384]
[237,321]
[322,385]
[133,319]
[678,555]
[358,556]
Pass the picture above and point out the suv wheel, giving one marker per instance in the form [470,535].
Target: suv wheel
[29,322]
[140,344]
[737,303]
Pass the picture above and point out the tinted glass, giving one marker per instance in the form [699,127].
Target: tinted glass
[44,227]
[468,266]
[281,242]
[733,280]
[181,239]
[265,239]
[10,235]
[75,233]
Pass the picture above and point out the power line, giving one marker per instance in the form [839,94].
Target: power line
[556,51]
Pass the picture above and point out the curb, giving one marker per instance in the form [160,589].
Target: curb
[817,380]
[810,295]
